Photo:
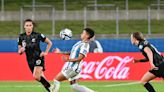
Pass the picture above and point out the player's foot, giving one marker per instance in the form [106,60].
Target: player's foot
[52,88]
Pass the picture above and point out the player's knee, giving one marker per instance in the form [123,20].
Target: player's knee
[143,82]
[36,76]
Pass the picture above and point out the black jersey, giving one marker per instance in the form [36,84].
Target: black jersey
[31,44]
[157,57]
[92,45]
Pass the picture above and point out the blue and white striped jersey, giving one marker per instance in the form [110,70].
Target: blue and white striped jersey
[79,48]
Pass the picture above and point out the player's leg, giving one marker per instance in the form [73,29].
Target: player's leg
[39,76]
[79,88]
[145,81]
[59,78]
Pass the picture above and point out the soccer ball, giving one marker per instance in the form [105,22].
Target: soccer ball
[66,34]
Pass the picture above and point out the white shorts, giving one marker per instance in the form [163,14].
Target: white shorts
[71,74]
[72,70]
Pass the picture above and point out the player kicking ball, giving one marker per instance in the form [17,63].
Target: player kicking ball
[72,68]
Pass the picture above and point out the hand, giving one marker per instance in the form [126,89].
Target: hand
[21,50]
[153,67]
[56,50]
[136,61]
[65,59]
[43,54]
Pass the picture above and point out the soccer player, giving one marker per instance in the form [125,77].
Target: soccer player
[72,68]
[153,56]
[29,42]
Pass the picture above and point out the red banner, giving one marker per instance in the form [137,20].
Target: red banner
[106,66]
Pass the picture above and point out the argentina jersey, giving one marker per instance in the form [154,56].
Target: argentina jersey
[79,48]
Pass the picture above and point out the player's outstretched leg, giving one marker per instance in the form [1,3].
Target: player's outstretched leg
[145,81]
[79,88]
[149,87]
[38,75]
[55,87]
[45,83]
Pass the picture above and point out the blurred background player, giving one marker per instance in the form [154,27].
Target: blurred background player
[153,56]
[95,46]
[29,42]
[72,68]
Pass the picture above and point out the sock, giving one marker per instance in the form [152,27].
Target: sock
[149,87]
[45,83]
[80,88]
[56,86]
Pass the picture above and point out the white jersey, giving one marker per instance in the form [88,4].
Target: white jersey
[79,48]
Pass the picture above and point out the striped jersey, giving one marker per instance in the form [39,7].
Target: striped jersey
[79,48]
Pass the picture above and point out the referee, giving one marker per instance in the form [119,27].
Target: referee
[29,42]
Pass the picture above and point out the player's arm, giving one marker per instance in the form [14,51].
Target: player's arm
[144,60]
[20,49]
[78,59]
[49,44]
[150,56]
[141,60]
[57,50]
[83,52]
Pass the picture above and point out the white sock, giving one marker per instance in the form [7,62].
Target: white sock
[56,86]
[80,88]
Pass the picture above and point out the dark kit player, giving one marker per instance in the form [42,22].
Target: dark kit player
[29,42]
[153,56]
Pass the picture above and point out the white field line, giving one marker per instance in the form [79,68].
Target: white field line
[36,86]
[122,84]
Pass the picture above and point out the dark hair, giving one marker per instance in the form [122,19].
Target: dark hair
[30,20]
[90,32]
[139,36]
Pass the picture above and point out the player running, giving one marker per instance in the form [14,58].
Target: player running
[29,42]
[153,56]
[72,68]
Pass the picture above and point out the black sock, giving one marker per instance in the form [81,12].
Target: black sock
[45,83]
[149,87]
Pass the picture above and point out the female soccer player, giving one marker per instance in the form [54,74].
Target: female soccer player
[72,68]
[153,56]
[29,42]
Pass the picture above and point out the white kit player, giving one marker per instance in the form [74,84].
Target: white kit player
[72,68]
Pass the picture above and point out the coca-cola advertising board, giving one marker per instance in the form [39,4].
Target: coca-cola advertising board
[102,66]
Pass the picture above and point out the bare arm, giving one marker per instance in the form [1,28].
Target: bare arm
[20,49]
[49,44]
[81,56]
[57,50]
[150,56]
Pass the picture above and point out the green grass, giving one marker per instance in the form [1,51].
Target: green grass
[79,4]
[101,27]
[99,86]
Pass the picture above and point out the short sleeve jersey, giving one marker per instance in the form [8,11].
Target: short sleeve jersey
[31,44]
[157,57]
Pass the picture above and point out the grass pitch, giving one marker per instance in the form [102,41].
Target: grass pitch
[98,86]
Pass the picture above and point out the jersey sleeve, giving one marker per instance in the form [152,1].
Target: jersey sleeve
[84,49]
[42,37]
[19,40]
[143,45]
[99,47]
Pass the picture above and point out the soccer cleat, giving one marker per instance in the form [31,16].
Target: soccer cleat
[52,88]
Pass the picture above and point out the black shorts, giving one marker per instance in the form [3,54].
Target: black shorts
[38,62]
[158,72]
